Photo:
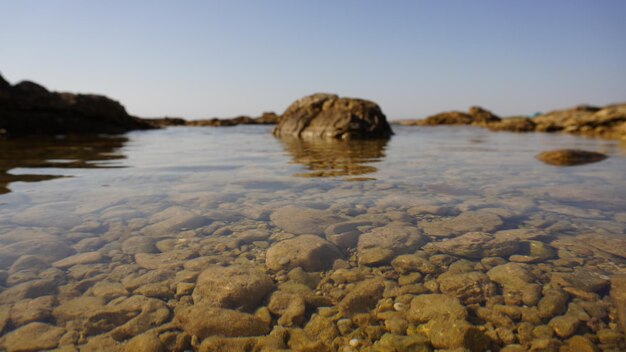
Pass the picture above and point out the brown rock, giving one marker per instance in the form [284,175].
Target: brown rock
[146,342]
[470,221]
[363,297]
[450,334]
[32,337]
[382,244]
[570,157]
[81,258]
[329,116]
[235,287]
[30,310]
[469,288]
[478,245]
[310,252]
[301,220]
[204,321]
[618,297]
[435,306]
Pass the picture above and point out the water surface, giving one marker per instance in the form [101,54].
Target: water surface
[151,202]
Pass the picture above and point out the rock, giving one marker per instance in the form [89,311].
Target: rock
[564,325]
[77,308]
[533,252]
[235,344]
[250,236]
[363,297]
[146,342]
[470,221]
[409,262]
[203,320]
[582,279]
[32,337]
[47,215]
[399,343]
[139,244]
[553,302]
[81,258]
[570,157]
[290,307]
[30,310]
[329,116]
[300,220]
[47,251]
[477,245]
[167,260]
[469,288]
[518,283]
[29,289]
[173,220]
[346,234]
[235,287]
[108,290]
[435,306]
[451,334]
[513,124]
[28,108]
[310,252]
[322,328]
[581,344]
[126,318]
[618,297]
[382,244]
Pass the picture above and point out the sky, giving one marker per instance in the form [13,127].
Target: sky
[201,59]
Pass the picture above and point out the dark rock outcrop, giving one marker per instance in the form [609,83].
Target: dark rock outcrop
[30,109]
[329,116]
[570,157]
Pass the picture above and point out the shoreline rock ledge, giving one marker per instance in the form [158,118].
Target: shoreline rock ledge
[330,116]
[28,108]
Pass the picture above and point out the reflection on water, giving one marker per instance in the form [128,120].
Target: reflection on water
[332,158]
[75,152]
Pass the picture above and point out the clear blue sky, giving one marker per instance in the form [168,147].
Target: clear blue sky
[199,59]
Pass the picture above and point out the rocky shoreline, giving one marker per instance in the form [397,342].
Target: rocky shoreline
[607,122]
[28,108]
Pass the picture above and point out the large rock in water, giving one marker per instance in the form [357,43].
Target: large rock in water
[28,108]
[329,116]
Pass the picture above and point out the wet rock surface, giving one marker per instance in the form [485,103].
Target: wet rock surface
[570,157]
[329,116]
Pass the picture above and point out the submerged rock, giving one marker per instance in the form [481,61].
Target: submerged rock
[436,307]
[32,337]
[301,220]
[329,116]
[570,157]
[618,296]
[203,320]
[234,287]
[381,245]
[477,245]
[470,221]
[310,252]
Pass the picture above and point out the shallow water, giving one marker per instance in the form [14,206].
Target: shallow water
[172,203]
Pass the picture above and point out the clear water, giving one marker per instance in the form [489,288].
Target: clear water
[111,187]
